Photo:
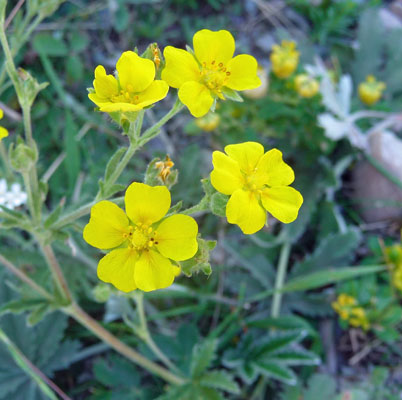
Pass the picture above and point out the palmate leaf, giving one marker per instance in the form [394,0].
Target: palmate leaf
[220,380]
[40,344]
[203,355]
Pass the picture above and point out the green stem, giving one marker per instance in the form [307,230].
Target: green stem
[280,279]
[75,311]
[203,205]
[4,157]
[153,131]
[57,272]
[25,278]
[43,382]
[145,335]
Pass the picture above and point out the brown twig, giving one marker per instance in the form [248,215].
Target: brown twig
[12,13]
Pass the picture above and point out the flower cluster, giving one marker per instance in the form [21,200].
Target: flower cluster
[371,90]
[145,246]
[257,182]
[284,59]
[349,310]
[3,131]
[12,198]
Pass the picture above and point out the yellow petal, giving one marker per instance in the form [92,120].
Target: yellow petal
[210,46]
[135,73]
[105,86]
[117,267]
[146,204]
[1,113]
[107,226]
[153,271]
[196,97]
[246,154]
[124,107]
[226,176]
[156,91]
[176,237]
[243,73]
[180,67]
[273,171]
[283,202]
[244,210]
[3,132]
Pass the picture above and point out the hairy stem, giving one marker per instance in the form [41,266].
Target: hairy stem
[280,279]
[76,312]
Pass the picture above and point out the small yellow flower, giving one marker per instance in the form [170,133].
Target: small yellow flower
[164,168]
[371,90]
[343,305]
[202,77]
[3,131]
[284,59]
[306,86]
[262,90]
[358,318]
[143,241]
[397,278]
[134,88]
[208,122]
[256,183]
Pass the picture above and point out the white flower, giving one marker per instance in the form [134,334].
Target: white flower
[12,198]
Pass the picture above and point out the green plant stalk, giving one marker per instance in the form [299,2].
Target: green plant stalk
[203,205]
[143,332]
[25,278]
[280,279]
[4,157]
[57,273]
[41,380]
[76,312]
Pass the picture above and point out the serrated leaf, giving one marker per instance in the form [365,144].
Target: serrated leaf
[276,371]
[295,357]
[277,342]
[114,160]
[220,380]
[218,204]
[334,250]
[21,305]
[202,357]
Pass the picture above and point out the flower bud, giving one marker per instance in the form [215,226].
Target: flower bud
[371,90]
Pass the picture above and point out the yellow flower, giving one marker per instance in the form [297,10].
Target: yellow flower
[164,168]
[343,305]
[284,59]
[205,75]
[306,86]
[262,90]
[3,131]
[358,318]
[397,277]
[256,183]
[208,122]
[144,241]
[371,90]
[134,88]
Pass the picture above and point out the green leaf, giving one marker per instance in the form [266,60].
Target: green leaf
[296,356]
[74,69]
[323,278]
[54,215]
[220,380]
[112,164]
[320,386]
[38,313]
[202,357]
[21,305]
[276,342]
[276,371]
[232,94]
[218,204]
[200,262]
[79,41]
[44,43]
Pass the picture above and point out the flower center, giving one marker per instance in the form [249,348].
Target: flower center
[214,75]
[126,95]
[143,237]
